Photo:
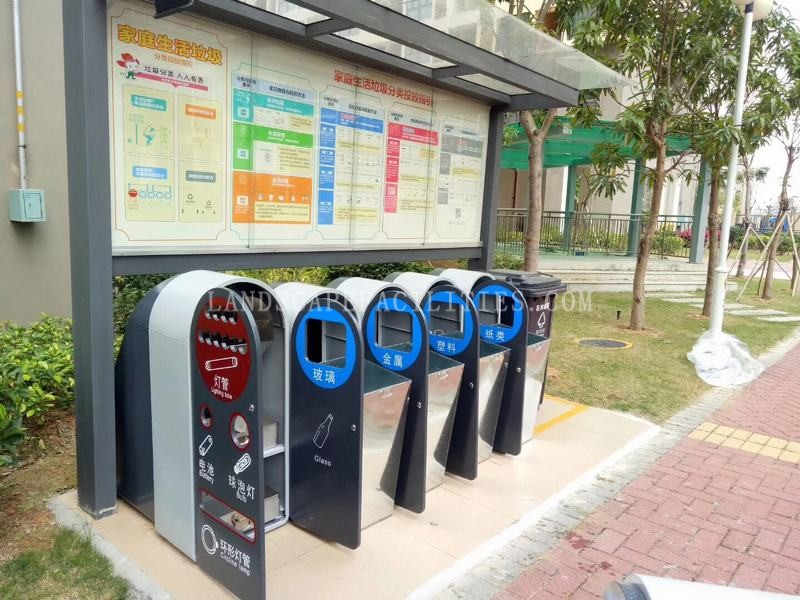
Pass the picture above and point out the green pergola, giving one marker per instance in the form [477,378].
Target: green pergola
[568,146]
[571,147]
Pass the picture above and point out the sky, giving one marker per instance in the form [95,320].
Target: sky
[773,157]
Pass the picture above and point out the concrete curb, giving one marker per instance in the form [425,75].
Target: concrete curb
[498,571]
[142,587]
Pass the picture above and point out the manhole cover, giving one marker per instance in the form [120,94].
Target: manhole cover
[604,343]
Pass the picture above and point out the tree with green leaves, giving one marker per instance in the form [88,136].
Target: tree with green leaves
[664,47]
[536,125]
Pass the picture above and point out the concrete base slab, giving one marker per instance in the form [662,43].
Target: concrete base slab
[757,312]
[464,522]
[782,319]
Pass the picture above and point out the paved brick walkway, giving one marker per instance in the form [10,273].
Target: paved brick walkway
[701,512]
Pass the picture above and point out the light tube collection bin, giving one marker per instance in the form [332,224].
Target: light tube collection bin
[503,314]
[452,327]
[200,438]
[345,414]
[396,338]
[496,385]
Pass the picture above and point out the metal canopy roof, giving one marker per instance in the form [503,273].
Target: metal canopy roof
[470,47]
[567,146]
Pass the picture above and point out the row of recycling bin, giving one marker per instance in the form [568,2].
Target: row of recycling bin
[240,406]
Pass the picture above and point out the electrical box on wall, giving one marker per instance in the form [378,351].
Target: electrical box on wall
[26,206]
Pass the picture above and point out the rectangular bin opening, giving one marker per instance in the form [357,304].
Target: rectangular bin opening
[394,329]
[325,341]
[232,519]
[446,318]
[496,310]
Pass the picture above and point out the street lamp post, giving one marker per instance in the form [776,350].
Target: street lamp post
[753,10]
[721,359]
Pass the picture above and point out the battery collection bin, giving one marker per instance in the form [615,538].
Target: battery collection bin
[201,421]
[452,326]
[345,417]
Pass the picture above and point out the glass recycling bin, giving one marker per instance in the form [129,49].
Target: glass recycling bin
[346,418]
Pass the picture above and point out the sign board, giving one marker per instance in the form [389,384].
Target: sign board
[223,139]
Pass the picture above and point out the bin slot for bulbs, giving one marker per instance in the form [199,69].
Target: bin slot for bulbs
[224,514]
[272,441]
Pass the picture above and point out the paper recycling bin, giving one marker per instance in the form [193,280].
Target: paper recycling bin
[201,421]
[503,315]
[346,418]
[452,328]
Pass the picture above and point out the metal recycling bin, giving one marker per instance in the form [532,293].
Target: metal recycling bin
[452,327]
[345,415]
[503,315]
[396,338]
[201,421]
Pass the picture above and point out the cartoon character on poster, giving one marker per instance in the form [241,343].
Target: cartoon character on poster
[130,63]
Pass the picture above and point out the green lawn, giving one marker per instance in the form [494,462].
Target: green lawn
[70,569]
[653,379]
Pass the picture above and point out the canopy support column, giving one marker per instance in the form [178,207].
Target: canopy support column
[700,219]
[635,227]
[569,206]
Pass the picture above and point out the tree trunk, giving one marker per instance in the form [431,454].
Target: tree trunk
[536,137]
[534,231]
[646,243]
[713,239]
[748,189]
[784,208]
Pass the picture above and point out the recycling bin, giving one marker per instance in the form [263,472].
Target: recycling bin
[346,418]
[396,338]
[201,406]
[502,317]
[452,333]
[540,292]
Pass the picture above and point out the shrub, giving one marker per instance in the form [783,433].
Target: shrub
[504,260]
[376,271]
[667,243]
[785,245]
[36,374]
[128,290]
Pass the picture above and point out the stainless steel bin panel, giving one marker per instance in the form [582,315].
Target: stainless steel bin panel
[444,381]
[535,373]
[385,406]
[492,367]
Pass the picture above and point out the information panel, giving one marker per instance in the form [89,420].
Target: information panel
[221,138]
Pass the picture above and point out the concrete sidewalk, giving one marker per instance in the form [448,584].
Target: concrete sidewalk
[721,506]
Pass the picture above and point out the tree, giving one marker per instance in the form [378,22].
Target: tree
[710,122]
[665,48]
[790,140]
[751,176]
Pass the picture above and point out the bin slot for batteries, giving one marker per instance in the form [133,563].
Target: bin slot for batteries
[446,318]
[325,341]
[494,309]
[225,515]
[393,330]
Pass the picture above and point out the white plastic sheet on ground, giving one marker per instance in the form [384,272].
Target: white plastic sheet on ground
[722,360]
